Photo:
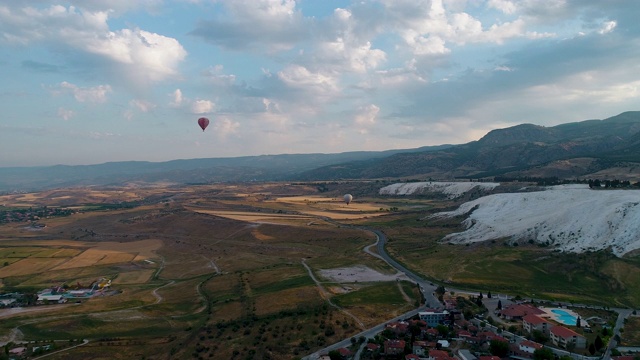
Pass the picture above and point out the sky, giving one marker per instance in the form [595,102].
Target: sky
[94,81]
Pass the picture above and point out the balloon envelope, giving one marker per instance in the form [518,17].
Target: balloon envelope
[348,198]
[203,122]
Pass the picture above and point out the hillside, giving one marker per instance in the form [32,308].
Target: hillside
[568,150]
[592,148]
[188,171]
[565,218]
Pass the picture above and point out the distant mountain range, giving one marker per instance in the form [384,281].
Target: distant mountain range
[604,148]
[607,148]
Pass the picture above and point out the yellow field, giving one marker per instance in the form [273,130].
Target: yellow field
[134,277]
[30,258]
[30,266]
[307,210]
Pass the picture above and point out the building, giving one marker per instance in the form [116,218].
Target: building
[420,348]
[50,298]
[534,322]
[394,347]
[438,355]
[519,311]
[465,354]
[435,318]
[529,346]
[562,337]
[345,353]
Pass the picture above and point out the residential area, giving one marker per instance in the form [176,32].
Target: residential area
[477,327]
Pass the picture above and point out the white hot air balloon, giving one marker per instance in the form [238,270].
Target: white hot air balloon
[348,198]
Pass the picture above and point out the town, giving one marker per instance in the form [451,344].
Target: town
[487,327]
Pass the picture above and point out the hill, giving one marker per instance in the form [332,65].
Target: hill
[568,150]
[591,148]
[569,218]
[188,171]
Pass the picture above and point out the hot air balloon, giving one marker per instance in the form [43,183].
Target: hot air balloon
[348,198]
[203,122]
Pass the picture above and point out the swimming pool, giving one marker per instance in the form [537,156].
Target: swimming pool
[565,317]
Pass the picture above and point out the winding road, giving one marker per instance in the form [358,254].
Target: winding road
[426,288]
[431,301]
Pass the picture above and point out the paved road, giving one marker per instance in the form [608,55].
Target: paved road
[428,291]
[622,314]
[369,333]
[426,287]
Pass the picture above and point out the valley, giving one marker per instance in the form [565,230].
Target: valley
[270,270]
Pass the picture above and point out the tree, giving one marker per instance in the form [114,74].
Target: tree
[592,349]
[499,307]
[543,354]
[335,355]
[442,330]
[489,295]
[598,343]
[578,322]
[499,348]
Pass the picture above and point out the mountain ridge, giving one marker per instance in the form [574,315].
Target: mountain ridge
[520,150]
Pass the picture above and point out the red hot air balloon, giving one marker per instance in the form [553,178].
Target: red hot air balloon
[203,122]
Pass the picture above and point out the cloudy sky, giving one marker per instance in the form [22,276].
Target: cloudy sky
[92,81]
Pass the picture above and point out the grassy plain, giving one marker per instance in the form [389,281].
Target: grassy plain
[216,271]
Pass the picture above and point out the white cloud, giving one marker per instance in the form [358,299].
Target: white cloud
[301,78]
[607,27]
[147,55]
[224,126]
[366,115]
[349,56]
[142,105]
[506,6]
[270,25]
[176,98]
[202,106]
[65,114]
[97,94]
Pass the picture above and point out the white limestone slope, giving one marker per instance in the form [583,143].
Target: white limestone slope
[569,218]
[451,189]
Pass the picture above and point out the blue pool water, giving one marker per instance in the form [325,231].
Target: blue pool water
[564,317]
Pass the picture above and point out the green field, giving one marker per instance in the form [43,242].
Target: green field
[529,270]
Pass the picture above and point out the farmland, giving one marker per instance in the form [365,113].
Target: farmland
[195,266]
[188,265]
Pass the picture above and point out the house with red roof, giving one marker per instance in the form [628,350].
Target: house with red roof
[438,355]
[524,349]
[432,332]
[489,336]
[399,328]
[519,311]
[345,353]
[561,337]
[531,322]
[529,346]
[372,347]
[394,347]
[411,357]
